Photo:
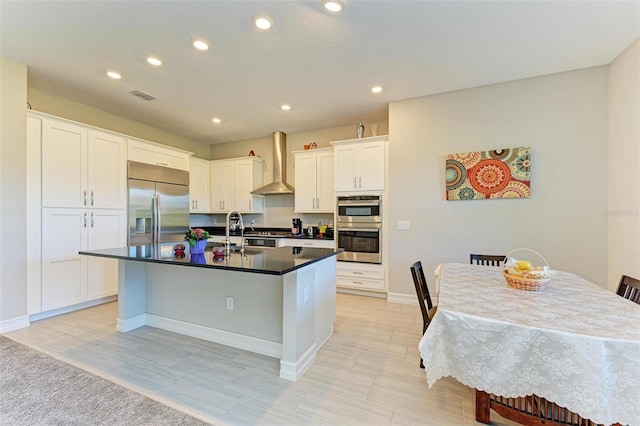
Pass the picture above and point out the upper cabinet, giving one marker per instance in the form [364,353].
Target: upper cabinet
[232,181]
[82,166]
[314,171]
[199,184]
[360,164]
[159,155]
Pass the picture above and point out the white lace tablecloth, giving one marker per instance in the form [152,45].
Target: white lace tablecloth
[575,343]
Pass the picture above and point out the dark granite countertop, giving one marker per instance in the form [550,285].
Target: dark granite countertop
[220,230]
[272,261]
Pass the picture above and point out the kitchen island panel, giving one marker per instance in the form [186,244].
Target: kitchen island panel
[200,297]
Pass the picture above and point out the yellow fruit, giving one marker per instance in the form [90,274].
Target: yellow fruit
[524,265]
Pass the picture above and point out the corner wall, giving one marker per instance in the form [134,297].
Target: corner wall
[562,117]
[624,165]
[13,178]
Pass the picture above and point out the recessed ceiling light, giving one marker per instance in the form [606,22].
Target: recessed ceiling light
[333,5]
[114,75]
[285,107]
[216,120]
[154,61]
[376,89]
[263,22]
[200,45]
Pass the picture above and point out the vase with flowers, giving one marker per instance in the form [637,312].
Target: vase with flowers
[197,240]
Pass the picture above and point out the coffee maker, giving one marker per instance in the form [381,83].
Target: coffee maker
[297,226]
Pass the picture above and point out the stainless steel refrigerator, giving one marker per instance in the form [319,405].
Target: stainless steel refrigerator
[158,204]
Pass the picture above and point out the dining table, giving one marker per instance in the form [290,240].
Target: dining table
[573,343]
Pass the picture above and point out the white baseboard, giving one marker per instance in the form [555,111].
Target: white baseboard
[407,299]
[357,292]
[14,324]
[247,343]
[67,309]
[132,323]
[293,370]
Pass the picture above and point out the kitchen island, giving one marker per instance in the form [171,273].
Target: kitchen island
[279,302]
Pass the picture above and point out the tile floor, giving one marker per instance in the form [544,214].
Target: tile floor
[366,374]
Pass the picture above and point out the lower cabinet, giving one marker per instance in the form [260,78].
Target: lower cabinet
[67,277]
[360,276]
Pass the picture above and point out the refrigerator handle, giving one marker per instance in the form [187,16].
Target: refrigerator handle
[153,219]
[158,219]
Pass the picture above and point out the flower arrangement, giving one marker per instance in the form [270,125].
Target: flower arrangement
[195,235]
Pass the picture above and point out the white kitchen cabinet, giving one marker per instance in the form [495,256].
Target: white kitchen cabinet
[82,166]
[308,242]
[159,155]
[248,177]
[67,277]
[360,276]
[199,184]
[360,164]
[314,170]
[232,181]
[222,186]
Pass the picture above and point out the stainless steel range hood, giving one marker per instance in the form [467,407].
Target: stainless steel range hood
[279,184]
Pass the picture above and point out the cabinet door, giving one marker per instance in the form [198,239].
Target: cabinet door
[325,194]
[199,178]
[64,164]
[222,186]
[106,229]
[248,176]
[371,166]
[64,271]
[107,171]
[346,158]
[305,175]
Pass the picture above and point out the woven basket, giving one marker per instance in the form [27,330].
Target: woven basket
[521,283]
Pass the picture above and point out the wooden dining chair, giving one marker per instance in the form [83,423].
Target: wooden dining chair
[424,298]
[486,259]
[629,288]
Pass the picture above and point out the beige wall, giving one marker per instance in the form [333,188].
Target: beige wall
[624,158]
[562,117]
[71,110]
[279,208]
[13,154]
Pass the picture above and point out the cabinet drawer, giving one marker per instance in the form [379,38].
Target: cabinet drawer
[360,270]
[360,283]
[310,243]
[158,155]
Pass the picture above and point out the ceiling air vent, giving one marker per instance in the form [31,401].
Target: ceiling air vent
[142,95]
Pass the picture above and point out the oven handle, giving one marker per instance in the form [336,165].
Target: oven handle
[374,203]
[360,229]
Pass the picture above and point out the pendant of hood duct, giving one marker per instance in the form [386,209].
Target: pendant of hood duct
[279,184]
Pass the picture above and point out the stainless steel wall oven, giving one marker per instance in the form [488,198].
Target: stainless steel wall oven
[359,228]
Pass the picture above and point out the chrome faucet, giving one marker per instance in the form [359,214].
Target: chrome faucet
[228,241]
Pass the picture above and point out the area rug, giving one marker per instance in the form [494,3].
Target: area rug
[37,389]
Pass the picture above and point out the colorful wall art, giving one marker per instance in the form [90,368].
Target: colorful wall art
[500,173]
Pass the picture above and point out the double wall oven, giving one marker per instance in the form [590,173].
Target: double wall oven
[359,228]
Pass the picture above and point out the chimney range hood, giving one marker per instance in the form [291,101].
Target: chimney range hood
[279,184]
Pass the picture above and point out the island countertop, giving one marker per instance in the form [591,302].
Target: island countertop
[272,261]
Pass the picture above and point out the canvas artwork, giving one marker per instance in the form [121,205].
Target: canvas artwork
[500,173]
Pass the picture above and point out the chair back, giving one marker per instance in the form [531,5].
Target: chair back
[629,288]
[486,259]
[422,291]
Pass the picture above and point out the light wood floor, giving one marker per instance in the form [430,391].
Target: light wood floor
[366,374]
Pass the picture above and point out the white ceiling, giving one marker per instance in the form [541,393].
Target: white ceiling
[322,64]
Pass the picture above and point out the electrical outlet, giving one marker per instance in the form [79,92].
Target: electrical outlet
[306,295]
[229,303]
[404,224]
